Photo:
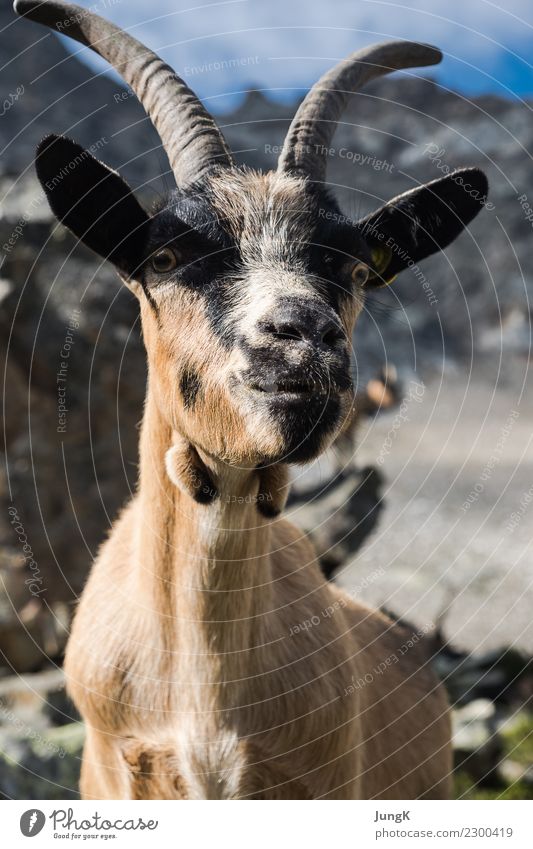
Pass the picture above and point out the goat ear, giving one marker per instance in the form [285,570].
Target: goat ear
[422,221]
[93,201]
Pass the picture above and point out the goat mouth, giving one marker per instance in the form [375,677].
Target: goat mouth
[292,388]
[287,387]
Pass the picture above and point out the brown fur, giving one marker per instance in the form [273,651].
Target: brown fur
[189,657]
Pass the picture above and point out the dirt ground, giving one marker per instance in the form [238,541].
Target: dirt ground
[457,530]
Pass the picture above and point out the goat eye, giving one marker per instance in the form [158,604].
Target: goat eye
[164,260]
[359,273]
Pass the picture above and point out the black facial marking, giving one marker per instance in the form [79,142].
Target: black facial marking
[189,222]
[334,243]
[206,492]
[305,425]
[150,299]
[267,365]
[190,386]
[207,254]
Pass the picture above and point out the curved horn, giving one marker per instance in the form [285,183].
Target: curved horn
[312,128]
[189,134]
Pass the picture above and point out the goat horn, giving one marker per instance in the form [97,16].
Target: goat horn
[190,137]
[305,149]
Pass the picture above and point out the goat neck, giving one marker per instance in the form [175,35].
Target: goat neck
[206,567]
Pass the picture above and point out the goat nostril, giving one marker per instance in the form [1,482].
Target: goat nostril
[303,326]
[283,331]
[290,332]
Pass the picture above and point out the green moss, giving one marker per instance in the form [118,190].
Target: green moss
[466,788]
[518,739]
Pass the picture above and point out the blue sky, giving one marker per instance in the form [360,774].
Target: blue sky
[282,46]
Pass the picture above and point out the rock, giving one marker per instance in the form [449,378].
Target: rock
[511,772]
[477,745]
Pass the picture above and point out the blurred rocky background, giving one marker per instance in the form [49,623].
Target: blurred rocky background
[424,507]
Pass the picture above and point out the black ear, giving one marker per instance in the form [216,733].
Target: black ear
[422,221]
[93,201]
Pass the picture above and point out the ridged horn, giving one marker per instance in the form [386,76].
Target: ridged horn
[311,131]
[190,137]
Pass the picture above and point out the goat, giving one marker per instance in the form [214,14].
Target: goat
[191,657]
